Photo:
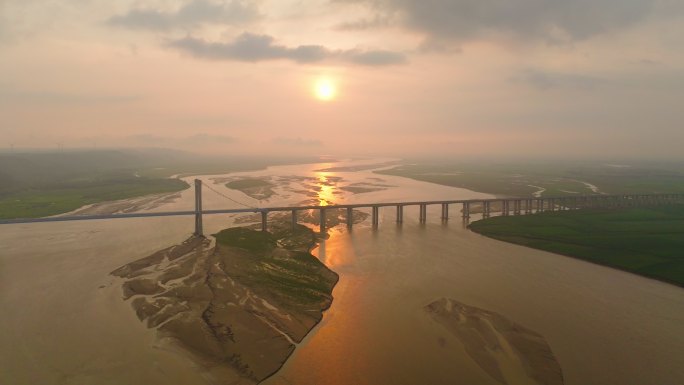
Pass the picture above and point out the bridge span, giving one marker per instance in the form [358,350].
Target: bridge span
[506,206]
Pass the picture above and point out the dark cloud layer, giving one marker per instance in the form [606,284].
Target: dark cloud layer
[550,20]
[191,14]
[545,80]
[250,47]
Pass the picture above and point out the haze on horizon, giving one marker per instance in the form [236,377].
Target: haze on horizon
[532,77]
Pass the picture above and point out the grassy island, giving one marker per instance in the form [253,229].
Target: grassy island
[645,241]
[255,188]
[241,304]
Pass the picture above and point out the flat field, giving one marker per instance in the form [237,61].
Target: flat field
[42,183]
[61,198]
[645,241]
[548,179]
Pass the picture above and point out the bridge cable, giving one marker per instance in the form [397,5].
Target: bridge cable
[227,197]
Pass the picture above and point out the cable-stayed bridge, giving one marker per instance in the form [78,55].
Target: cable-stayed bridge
[506,206]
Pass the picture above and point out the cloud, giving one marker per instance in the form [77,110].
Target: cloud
[545,20]
[250,47]
[364,24]
[191,14]
[374,58]
[299,142]
[545,80]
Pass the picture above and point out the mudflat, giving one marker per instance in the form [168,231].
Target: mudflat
[237,304]
[506,351]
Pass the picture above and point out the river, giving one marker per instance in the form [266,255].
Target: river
[64,322]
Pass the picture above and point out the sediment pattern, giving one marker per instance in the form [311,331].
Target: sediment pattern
[508,352]
[243,302]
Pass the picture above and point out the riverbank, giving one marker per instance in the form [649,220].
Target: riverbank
[644,241]
[55,277]
[39,184]
[547,179]
[237,305]
[62,199]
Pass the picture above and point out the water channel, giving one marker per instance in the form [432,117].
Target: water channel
[64,322]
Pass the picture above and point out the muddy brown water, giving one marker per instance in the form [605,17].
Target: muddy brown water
[64,321]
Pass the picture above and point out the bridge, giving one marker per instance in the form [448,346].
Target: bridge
[506,206]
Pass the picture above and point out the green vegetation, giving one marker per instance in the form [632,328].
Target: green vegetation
[57,199]
[645,241]
[261,242]
[293,273]
[45,183]
[248,183]
[523,179]
[253,187]
[36,184]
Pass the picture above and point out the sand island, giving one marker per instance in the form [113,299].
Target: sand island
[239,303]
[510,353]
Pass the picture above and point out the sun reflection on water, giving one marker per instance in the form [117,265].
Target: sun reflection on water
[326,189]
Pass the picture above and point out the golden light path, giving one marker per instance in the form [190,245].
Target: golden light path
[326,192]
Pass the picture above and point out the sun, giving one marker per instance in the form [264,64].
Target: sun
[325,89]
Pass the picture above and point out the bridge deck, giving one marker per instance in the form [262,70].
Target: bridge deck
[267,210]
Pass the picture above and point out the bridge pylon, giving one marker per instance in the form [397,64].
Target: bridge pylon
[199,231]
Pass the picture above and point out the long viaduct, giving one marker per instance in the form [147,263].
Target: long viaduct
[507,206]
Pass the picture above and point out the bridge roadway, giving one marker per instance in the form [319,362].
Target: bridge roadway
[507,205]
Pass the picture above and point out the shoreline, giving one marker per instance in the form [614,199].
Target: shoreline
[552,246]
[238,303]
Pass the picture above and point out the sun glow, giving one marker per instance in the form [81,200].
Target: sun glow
[325,89]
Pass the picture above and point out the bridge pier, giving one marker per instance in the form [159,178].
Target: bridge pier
[322,220]
[574,202]
[264,217]
[375,216]
[445,212]
[199,231]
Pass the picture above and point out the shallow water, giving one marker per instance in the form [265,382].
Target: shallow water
[64,321]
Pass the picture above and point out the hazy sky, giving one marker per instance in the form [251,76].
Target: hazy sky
[451,77]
